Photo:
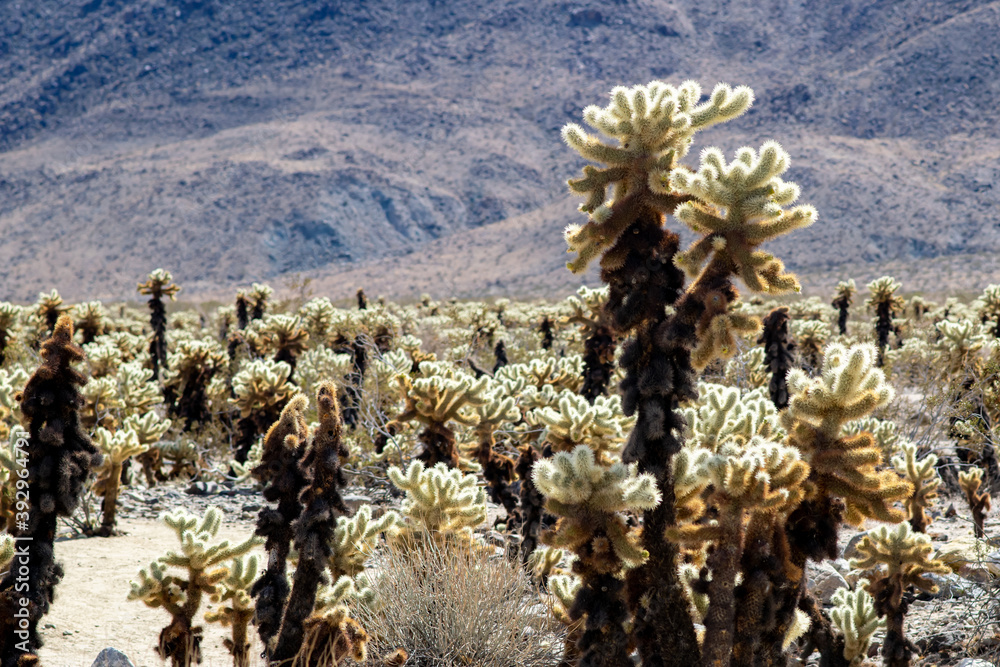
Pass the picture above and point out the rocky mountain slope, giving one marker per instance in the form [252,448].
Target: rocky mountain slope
[415,145]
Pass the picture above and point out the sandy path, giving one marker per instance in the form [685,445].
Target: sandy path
[91,611]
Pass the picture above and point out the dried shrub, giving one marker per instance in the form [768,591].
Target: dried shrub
[457,606]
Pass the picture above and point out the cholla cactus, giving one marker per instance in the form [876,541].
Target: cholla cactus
[89,320]
[101,403]
[855,616]
[653,126]
[11,469]
[561,372]
[811,337]
[137,393]
[236,607]
[587,309]
[885,432]
[193,365]
[498,469]
[117,448]
[893,560]
[6,551]
[842,301]
[959,345]
[441,502]
[318,317]
[971,481]
[577,422]
[739,206]
[779,354]
[759,477]
[850,388]
[285,336]
[989,307]
[261,388]
[321,364]
[434,401]
[158,284]
[149,429]
[203,564]
[887,306]
[49,307]
[103,357]
[923,476]
[589,499]
[259,295]
[9,314]
[354,540]
[747,370]
[725,414]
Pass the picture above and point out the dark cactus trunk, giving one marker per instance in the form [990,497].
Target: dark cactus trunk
[778,354]
[598,363]
[158,344]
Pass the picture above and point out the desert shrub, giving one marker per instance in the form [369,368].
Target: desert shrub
[454,606]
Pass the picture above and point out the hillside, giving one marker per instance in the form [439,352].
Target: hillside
[415,146]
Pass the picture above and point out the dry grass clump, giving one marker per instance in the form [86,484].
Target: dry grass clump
[450,605]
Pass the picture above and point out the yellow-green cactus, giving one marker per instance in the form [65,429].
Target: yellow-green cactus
[202,565]
[855,616]
[850,388]
[318,317]
[723,414]
[89,318]
[285,337]
[103,357]
[651,128]
[811,337]
[236,608]
[102,402]
[441,502]
[739,206]
[117,448]
[148,429]
[959,345]
[355,538]
[600,426]
[894,559]
[887,305]
[49,307]
[562,372]
[262,384]
[971,482]
[589,497]
[6,551]
[11,469]
[885,432]
[747,370]
[923,476]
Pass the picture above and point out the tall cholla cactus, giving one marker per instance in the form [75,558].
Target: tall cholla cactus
[435,400]
[283,479]
[855,616]
[843,299]
[894,559]
[845,482]
[971,483]
[60,457]
[441,503]
[314,529]
[887,305]
[779,351]
[735,207]
[811,337]
[259,297]
[203,564]
[599,341]
[158,284]
[590,497]
[193,365]
[923,476]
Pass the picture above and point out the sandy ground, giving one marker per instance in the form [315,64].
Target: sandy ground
[91,611]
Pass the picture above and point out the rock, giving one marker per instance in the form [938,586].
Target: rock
[981,573]
[824,580]
[354,501]
[251,507]
[112,657]
[851,550]
[949,585]
[974,662]
[951,512]
[203,489]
